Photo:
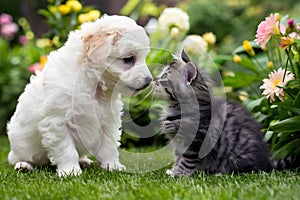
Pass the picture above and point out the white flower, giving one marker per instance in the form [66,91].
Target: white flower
[174,33]
[151,26]
[273,85]
[174,17]
[194,44]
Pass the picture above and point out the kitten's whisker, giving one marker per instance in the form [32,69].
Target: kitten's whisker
[145,97]
[147,108]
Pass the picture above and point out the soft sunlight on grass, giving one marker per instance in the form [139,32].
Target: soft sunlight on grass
[99,184]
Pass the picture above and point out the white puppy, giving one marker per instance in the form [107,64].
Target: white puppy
[72,108]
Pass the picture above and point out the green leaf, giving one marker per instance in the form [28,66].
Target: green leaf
[292,88]
[45,13]
[245,62]
[288,106]
[296,102]
[219,59]
[268,135]
[286,149]
[260,116]
[288,125]
[293,84]
[248,64]
[254,103]
[240,80]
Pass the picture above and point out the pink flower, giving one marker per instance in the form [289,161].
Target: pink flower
[294,35]
[34,67]
[5,19]
[273,85]
[286,42]
[23,40]
[266,29]
[291,23]
[37,67]
[8,30]
[282,29]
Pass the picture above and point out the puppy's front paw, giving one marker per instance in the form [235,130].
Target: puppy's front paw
[85,162]
[70,171]
[23,166]
[110,166]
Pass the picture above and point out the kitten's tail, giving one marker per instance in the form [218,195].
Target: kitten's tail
[290,162]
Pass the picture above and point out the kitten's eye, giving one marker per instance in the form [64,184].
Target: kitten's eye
[129,59]
[164,76]
[173,63]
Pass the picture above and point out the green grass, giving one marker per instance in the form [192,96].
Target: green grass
[99,184]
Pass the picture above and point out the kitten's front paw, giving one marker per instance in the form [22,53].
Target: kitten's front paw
[110,166]
[69,171]
[174,172]
[23,166]
[170,173]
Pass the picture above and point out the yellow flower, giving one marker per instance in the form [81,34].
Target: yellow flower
[90,16]
[270,64]
[94,14]
[44,42]
[149,9]
[286,42]
[64,9]
[52,9]
[55,41]
[243,96]
[237,59]
[74,5]
[248,48]
[277,17]
[83,18]
[209,37]
[43,61]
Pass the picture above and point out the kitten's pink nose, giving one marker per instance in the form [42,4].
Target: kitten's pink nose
[155,79]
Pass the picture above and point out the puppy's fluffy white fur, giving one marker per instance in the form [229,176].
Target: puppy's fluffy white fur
[73,108]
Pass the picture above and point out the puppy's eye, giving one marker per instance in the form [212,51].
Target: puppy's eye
[129,59]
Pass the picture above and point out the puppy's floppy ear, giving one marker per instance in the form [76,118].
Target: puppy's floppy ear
[190,72]
[98,46]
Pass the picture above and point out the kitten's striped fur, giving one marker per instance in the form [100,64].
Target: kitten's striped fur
[185,121]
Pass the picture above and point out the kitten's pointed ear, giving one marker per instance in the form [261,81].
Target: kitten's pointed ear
[190,72]
[175,56]
[184,56]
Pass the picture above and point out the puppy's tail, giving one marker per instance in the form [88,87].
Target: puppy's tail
[290,162]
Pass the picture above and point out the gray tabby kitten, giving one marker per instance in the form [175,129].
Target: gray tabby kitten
[239,147]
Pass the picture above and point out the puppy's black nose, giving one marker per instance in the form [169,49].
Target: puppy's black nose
[148,80]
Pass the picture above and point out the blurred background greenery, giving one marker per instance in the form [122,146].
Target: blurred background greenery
[232,22]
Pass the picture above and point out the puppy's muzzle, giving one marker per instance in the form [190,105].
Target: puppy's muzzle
[147,81]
